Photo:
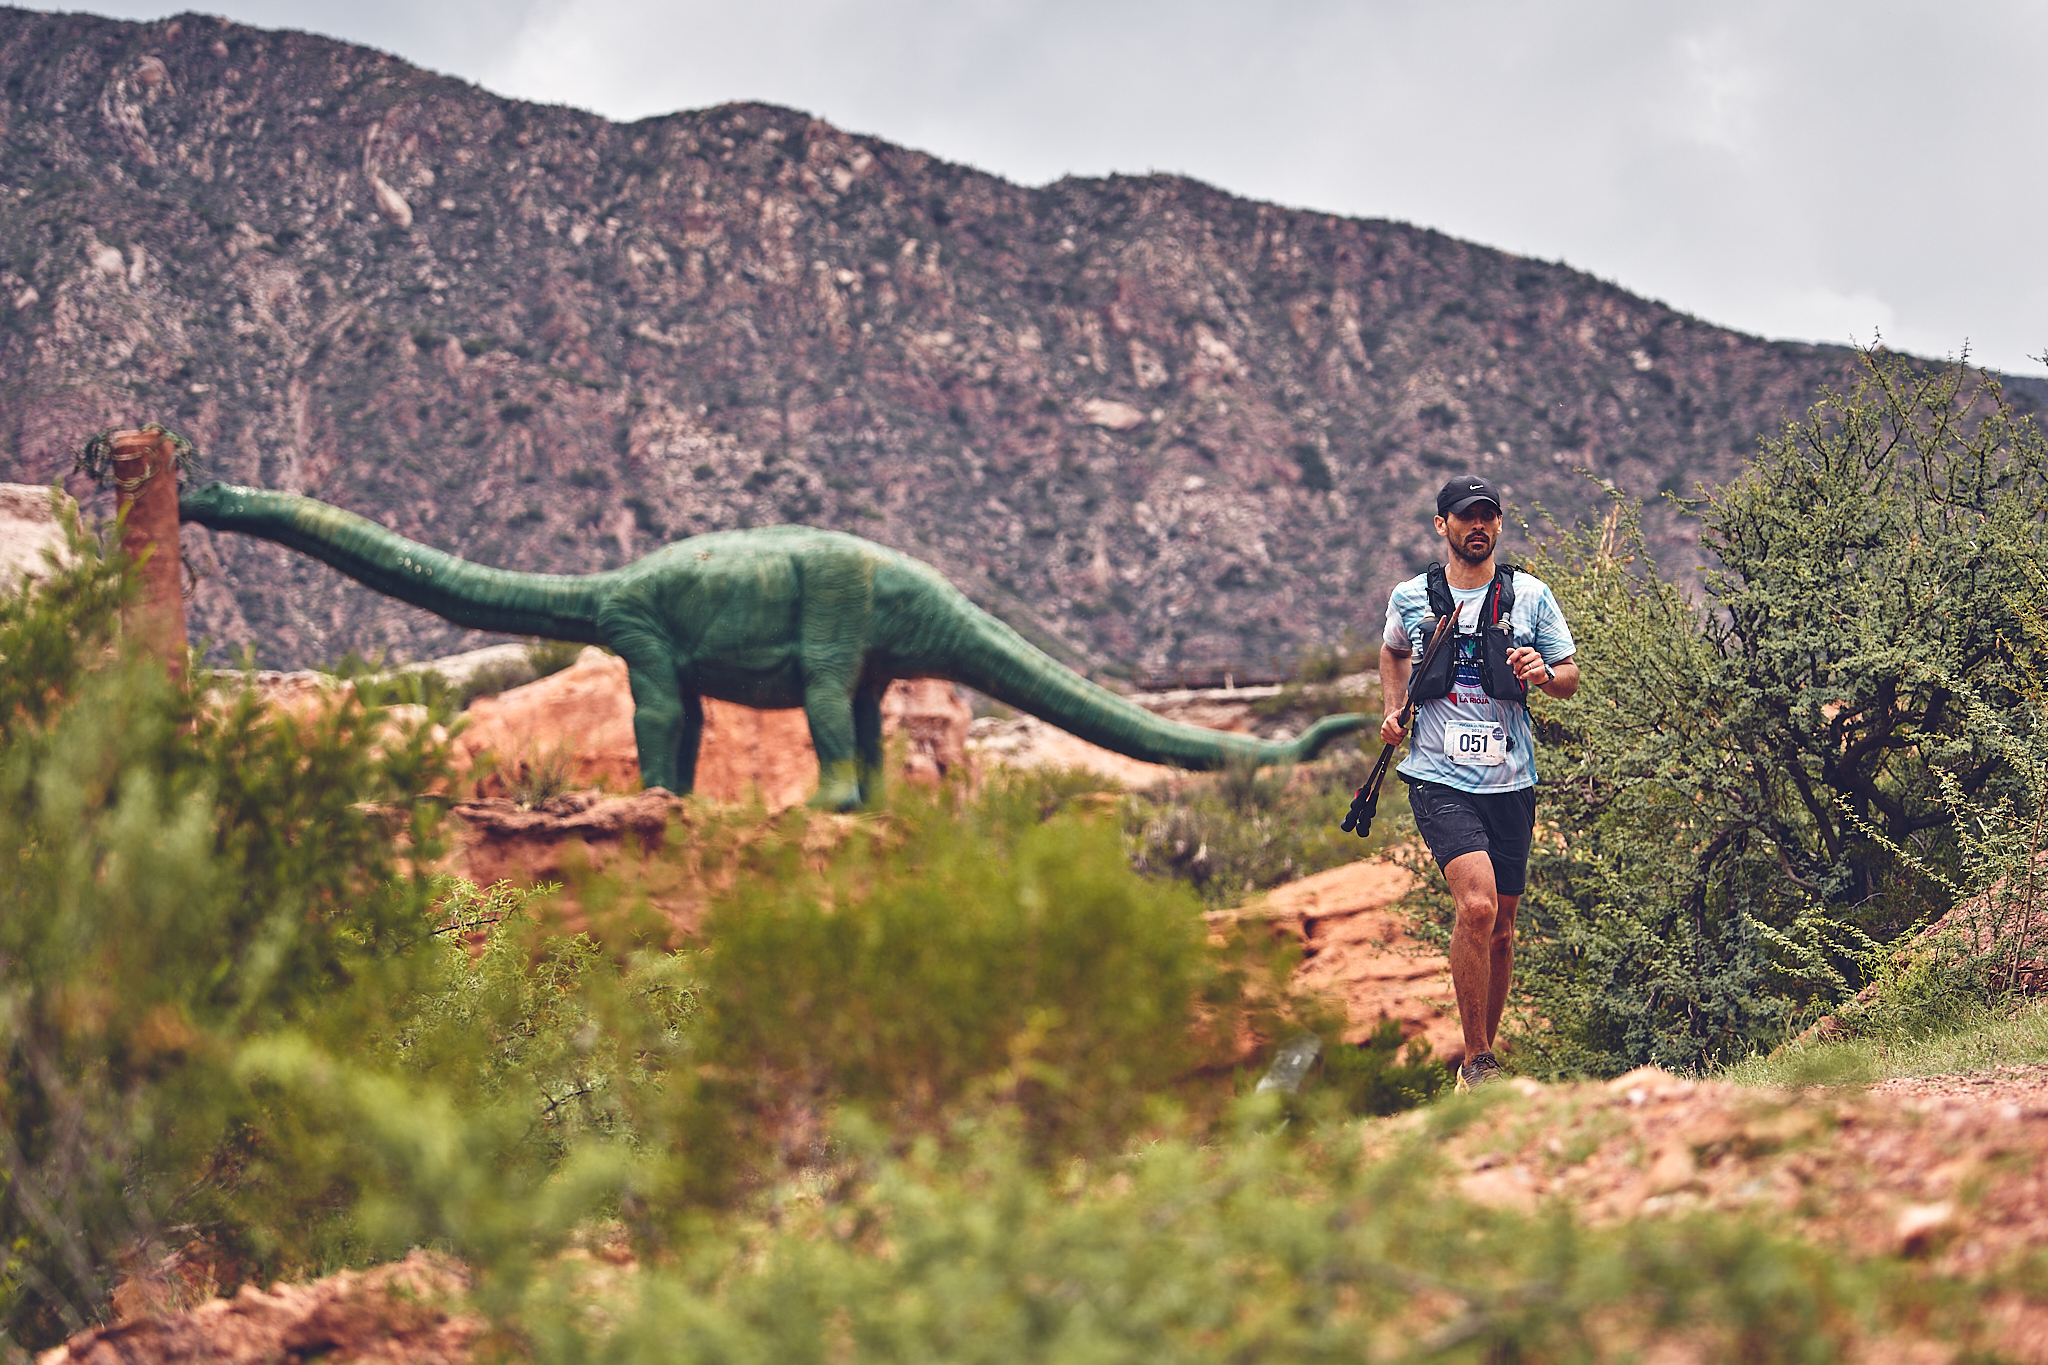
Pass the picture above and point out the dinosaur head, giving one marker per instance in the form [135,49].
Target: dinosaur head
[206,502]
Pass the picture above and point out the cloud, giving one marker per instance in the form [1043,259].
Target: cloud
[1858,317]
[1721,92]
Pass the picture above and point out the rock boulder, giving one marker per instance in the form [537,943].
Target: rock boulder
[31,529]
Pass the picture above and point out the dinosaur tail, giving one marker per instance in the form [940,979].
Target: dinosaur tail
[997,660]
[559,607]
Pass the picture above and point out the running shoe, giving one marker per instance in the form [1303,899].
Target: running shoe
[1480,1070]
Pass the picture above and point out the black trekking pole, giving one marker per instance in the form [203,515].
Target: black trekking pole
[1365,802]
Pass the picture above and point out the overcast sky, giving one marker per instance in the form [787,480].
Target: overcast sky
[1822,171]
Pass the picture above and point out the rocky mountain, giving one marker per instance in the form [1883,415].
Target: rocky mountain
[1155,426]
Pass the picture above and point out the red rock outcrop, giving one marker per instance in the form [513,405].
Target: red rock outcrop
[499,840]
[580,719]
[1359,951]
[933,719]
[391,1313]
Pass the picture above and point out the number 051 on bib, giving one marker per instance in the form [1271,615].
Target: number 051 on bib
[1478,744]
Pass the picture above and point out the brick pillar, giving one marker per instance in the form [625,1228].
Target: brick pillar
[146,483]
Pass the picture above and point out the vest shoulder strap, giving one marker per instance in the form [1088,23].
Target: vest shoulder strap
[1504,589]
[1499,602]
[1438,585]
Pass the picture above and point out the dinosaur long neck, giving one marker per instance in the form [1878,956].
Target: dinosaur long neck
[995,659]
[556,606]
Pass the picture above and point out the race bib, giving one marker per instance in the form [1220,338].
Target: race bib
[1477,744]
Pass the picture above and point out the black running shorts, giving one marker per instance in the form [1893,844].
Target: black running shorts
[1498,824]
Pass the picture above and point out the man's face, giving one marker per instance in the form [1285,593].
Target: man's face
[1471,533]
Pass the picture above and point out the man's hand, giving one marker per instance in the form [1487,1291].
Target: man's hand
[1528,666]
[1558,680]
[1390,728]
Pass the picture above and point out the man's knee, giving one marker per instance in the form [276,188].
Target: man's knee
[1470,876]
[1504,917]
[1478,912]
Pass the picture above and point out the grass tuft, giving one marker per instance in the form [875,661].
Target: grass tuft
[1992,1035]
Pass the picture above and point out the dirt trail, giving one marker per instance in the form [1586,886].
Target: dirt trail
[1950,1171]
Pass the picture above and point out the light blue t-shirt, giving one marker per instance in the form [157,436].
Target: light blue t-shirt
[1469,740]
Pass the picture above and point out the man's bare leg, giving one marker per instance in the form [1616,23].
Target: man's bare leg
[1475,947]
[1500,973]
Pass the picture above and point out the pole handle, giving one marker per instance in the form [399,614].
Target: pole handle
[1365,802]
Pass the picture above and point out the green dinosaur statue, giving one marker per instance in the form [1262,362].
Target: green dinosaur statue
[781,617]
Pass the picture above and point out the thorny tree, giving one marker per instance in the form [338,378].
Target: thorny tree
[1734,783]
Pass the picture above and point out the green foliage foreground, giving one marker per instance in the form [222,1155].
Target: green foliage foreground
[1254,1249]
[179,888]
[233,1008]
[951,1084]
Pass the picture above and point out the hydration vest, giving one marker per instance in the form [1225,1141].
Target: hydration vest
[1496,637]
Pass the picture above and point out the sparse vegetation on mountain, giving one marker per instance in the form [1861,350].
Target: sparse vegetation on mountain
[1150,424]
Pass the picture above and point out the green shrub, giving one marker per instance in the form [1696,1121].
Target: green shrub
[178,882]
[1255,1249]
[423,685]
[1939,988]
[519,1009]
[1955,1038]
[1991,949]
[1327,663]
[954,955]
[378,686]
[1997,936]
[228,1011]
[1380,1076]
[541,777]
[1729,791]
[1245,830]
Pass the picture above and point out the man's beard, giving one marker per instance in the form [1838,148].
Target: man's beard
[1468,555]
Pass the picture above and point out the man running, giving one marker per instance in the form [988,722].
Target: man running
[1471,769]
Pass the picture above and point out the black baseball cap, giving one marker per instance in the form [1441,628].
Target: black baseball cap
[1461,492]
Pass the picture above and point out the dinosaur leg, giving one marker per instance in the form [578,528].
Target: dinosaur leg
[688,742]
[832,630]
[660,715]
[828,706]
[867,744]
